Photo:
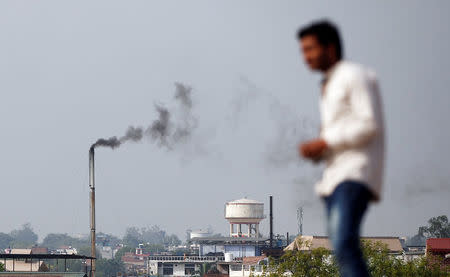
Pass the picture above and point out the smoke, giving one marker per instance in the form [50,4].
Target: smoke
[112,142]
[159,129]
[290,126]
[183,93]
[166,130]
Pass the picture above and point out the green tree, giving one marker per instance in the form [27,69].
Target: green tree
[24,237]
[153,235]
[172,240]
[107,239]
[316,262]
[438,227]
[381,263]
[122,251]
[85,250]
[319,262]
[5,240]
[132,237]
[54,241]
[107,268]
[153,248]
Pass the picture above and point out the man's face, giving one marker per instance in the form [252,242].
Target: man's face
[314,54]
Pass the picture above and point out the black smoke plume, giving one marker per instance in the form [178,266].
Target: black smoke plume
[165,130]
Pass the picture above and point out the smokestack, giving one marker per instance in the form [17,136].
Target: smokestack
[92,206]
[271,221]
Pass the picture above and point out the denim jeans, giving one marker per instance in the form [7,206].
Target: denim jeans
[345,209]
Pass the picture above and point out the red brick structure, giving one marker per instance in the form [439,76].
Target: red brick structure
[439,247]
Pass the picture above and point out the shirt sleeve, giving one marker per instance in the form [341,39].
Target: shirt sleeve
[360,124]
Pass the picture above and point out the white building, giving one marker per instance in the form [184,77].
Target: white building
[250,266]
[179,266]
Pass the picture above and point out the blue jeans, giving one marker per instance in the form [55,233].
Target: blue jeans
[345,209]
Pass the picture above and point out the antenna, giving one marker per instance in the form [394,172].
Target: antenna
[300,220]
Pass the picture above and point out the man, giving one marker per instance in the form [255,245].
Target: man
[351,141]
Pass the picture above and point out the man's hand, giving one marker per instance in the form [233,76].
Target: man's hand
[313,149]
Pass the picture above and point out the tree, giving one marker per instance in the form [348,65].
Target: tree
[5,240]
[107,268]
[438,227]
[172,240]
[85,250]
[316,262]
[153,248]
[122,251]
[107,239]
[320,262]
[152,235]
[381,263]
[54,241]
[24,237]
[132,237]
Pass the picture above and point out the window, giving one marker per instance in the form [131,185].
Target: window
[236,267]
[189,269]
[167,269]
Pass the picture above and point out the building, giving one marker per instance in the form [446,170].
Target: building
[244,240]
[106,252]
[21,262]
[66,249]
[250,266]
[239,247]
[305,243]
[137,261]
[39,250]
[178,265]
[439,247]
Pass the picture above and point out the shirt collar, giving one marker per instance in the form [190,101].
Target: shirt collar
[329,73]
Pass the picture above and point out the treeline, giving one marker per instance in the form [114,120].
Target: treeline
[21,238]
[25,237]
[321,263]
[438,227]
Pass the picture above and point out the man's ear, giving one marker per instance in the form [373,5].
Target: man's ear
[331,51]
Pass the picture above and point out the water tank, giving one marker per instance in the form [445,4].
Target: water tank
[245,211]
[200,234]
[229,257]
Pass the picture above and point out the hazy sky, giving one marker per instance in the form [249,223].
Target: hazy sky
[74,71]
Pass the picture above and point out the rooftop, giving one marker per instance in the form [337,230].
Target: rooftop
[438,244]
[44,256]
[244,201]
[229,240]
[313,242]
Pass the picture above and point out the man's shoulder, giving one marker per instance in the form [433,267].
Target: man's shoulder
[351,71]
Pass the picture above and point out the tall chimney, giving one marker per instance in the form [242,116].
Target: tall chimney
[271,221]
[92,207]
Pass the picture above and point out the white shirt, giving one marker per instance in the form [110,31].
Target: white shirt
[352,126]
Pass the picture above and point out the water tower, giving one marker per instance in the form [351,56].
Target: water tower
[244,216]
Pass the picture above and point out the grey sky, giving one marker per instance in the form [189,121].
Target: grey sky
[74,71]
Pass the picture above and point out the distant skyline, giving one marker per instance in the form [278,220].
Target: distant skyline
[75,71]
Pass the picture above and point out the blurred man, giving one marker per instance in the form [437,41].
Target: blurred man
[351,141]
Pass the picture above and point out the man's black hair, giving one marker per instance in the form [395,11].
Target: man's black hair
[325,32]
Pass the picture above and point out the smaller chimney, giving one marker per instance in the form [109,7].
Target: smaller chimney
[271,221]
[92,206]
